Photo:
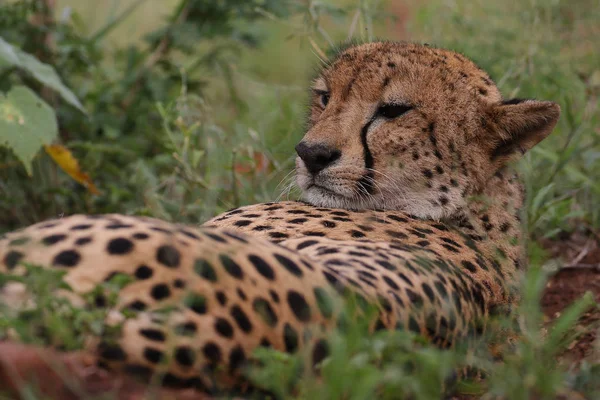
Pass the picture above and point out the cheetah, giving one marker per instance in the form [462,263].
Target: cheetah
[408,202]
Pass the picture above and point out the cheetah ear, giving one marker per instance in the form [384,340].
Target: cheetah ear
[520,125]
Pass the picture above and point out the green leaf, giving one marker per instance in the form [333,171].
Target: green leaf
[44,73]
[26,123]
[7,54]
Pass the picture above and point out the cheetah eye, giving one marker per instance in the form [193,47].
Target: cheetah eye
[392,111]
[323,98]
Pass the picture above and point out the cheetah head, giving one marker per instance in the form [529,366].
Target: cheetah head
[402,126]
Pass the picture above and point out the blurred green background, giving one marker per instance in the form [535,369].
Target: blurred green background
[195,106]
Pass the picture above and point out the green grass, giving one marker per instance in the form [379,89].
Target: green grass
[230,142]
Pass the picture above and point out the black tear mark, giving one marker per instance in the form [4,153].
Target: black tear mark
[366,182]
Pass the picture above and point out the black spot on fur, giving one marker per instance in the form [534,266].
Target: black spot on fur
[469,265]
[397,218]
[168,256]
[186,329]
[290,338]
[83,241]
[390,283]
[143,272]
[241,319]
[81,227]
[12,258]
[215,237]
[53,239]
[356,234]
[159,229]
[262,228]
[262,267]
[221,298]
[313,233]
[396,234]
[185,356]
[231,267]
[119,246]
[320,352]
[306,244]
[340,213]
[116,226]
[241,294]
[212,352]
[298,305]
[278,235]
[153,334]
[237,357]
[205,270]
[17,241]
[67,258]
[196,303]
[137,305]
[328,224]
[289,265]
[153,355]
[450,248]
[428,291]
[224,328]
[160,291]
[179,283]
[386,265]
[298,220]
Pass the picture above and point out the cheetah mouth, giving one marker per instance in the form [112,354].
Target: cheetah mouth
[331,196]
[323,189]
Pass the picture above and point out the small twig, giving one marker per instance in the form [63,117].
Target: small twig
[584,252]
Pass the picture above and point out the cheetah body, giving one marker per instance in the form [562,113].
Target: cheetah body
[409,204]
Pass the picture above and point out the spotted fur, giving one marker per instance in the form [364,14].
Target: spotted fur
[408,204]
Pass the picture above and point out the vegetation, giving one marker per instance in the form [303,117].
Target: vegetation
[201,114]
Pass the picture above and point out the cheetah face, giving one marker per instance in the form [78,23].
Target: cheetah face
[407,127]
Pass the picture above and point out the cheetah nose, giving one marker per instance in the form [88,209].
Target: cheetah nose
[316,157]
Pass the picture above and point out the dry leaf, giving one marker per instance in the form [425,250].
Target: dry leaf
[68,163]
